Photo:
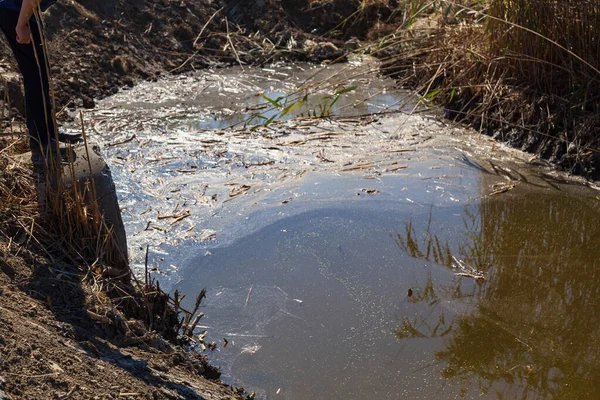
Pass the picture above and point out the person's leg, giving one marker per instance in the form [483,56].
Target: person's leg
[33,66]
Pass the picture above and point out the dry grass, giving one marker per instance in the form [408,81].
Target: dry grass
[50,214]
[553,44]
[524,72]
[73,238]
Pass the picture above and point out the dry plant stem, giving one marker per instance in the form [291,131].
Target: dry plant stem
[54,158]
[146,276]
[248,296]
[80,223]
[189,326]
[237,56]
[196,41]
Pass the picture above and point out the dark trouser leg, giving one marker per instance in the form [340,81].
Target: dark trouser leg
[38,105]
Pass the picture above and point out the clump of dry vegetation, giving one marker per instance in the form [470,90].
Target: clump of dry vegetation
[52,213]
[553,45]
[68,303]
[47,268]
[68,221]
[526,72]
[70,234]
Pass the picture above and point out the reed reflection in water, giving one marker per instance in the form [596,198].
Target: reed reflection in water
[532,330]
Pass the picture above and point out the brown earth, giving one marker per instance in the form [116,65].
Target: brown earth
[97,48]
[50,347]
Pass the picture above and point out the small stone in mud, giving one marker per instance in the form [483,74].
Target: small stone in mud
[128,82]
[352,44]
[410,292]
[88,102]
[120,65]
[177,358]
[183,32]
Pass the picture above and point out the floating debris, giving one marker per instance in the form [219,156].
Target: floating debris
[243,189]
[371,191]
[467,271]
[206,235]
[251,348]
[118,143]
[468,275]
[356,167]
[395,168]
[502,187]
[248,297]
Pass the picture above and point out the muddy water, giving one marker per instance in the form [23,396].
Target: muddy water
[386,256]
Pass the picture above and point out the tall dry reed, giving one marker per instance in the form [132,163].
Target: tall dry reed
[553,44]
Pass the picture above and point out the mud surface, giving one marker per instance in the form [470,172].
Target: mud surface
[356,255]
[58,351]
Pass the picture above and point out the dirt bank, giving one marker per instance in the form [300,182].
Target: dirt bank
[69,330]
[97,48]
[51,347]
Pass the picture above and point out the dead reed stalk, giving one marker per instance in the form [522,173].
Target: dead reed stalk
[526,72]
[552,44]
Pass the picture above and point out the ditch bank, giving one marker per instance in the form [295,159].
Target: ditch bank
[72,325]
[96,49]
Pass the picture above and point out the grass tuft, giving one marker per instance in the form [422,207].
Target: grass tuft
[525,72]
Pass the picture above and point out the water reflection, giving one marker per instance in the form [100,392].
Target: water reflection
[531,331]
